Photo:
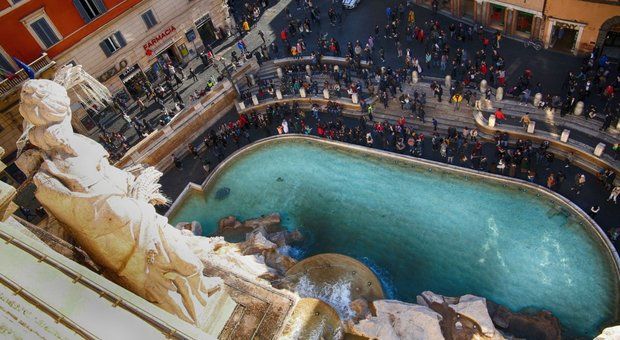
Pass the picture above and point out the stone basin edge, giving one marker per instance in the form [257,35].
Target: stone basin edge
[192,188]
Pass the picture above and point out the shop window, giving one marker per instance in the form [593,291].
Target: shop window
[497,15]
[524,22]
[468,9]
[113,43]
[89,9]
[149,19]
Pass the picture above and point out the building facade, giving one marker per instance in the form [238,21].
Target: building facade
[570,26]
[125,44]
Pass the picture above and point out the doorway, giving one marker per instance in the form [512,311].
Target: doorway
[611,44]
[207,31]
[564,37]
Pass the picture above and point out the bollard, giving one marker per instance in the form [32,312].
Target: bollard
[414,77]
[578,108]
[254,99]
[499,95]
[492,121]
[483,86]
[448,81]
[564,136]
[302,92]
[336,68]
[279,72]
[241,106]
[599,149]
[537,99]
[326,93]
[252,79]
[309,69]
[278,94]
[531,127]
[355,98]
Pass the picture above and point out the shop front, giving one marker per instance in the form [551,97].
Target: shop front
[169,47]
[134,81]
[468,9]
[564,36]
[523,24]
[207,31]
[497,15]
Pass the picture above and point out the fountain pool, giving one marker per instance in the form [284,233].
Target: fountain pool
[422,225]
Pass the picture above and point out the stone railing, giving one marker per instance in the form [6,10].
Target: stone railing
[589,158]
[156,149]
[39,65]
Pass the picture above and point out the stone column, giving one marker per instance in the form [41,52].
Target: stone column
[279,72]
[302,92]
[278,94]
[254,99]
[326,93]
[499,95]
[565,135]
[309,69]
[355,98]
[537,99]
[448,81]
[414,77]
[578,108]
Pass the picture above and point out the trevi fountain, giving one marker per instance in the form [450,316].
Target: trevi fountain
[301,238]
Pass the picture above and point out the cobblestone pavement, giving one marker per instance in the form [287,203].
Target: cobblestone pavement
[549,67]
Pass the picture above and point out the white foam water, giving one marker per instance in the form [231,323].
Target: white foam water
[337,295]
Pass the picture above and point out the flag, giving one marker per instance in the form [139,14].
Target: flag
[25,67]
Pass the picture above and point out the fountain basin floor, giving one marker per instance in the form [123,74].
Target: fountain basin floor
[422,226]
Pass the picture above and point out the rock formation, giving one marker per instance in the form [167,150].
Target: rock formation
[110,211]
[395,320]
[609,333]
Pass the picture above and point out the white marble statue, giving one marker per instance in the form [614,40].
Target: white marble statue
[110,211]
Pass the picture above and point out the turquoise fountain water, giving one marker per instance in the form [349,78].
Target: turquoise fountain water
[423,230]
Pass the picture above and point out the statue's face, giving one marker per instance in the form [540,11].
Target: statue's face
[44,102]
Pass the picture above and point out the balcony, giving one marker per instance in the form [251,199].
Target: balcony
[9,85]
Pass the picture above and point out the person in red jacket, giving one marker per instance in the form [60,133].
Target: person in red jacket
[283,35]
[499,115]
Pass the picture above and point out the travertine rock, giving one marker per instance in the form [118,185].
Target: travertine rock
[190,228]
[475,308]
[360,309]
[279,262]
[230,226]
[609,333]
[256,243]
[399,321]
[542,325]
[110,211]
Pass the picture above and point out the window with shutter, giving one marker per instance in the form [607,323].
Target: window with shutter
[149,19]
[5,65]
[113,43]
[89,9]
[45,32]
